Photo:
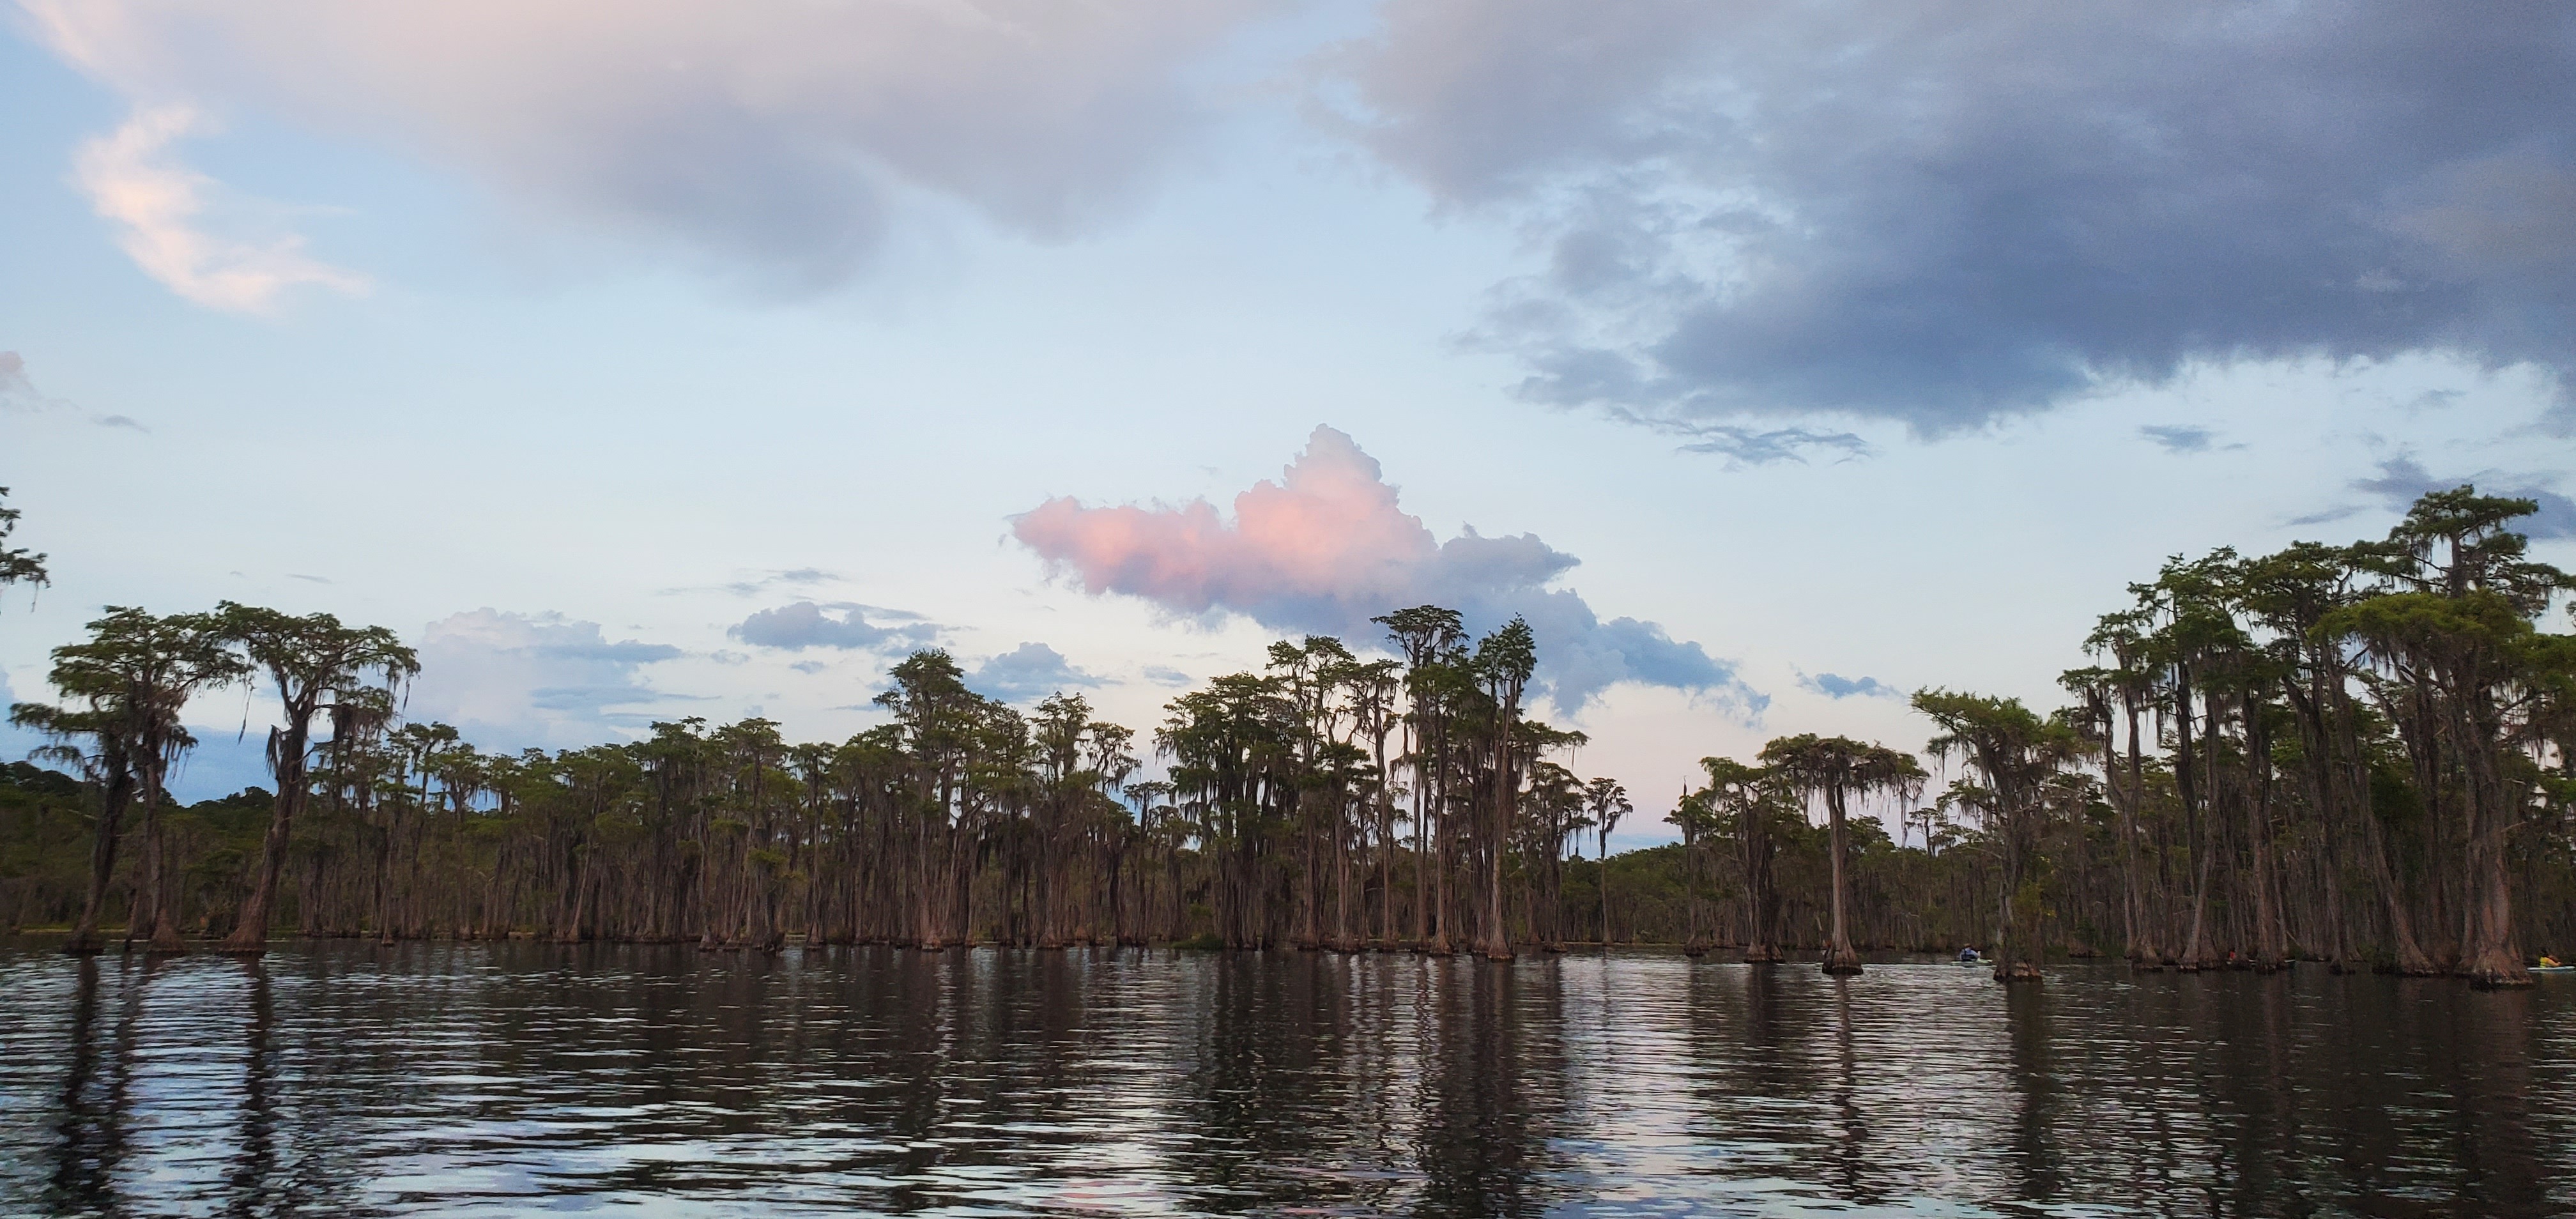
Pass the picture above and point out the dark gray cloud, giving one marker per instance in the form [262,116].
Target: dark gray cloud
[1944,215]
[1836,686]
[2402,480]
[120,421]
[844,625]
[1028,672]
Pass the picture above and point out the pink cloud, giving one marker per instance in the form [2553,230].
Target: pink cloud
[1327,547]
[1328,534]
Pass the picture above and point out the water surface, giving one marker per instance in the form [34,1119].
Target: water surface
[479,1079]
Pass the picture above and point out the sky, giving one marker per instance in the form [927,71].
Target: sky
[646,360]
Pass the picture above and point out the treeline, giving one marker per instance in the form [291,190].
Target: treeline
[2355,755]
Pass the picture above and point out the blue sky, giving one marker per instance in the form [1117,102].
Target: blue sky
[640,361]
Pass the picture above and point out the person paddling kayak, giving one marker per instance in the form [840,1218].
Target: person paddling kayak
[1969,956]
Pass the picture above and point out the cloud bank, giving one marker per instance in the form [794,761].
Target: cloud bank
[1326,548]
[780,138]
[1946,215]
[514,680]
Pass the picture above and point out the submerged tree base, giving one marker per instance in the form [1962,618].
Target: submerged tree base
[2018,971]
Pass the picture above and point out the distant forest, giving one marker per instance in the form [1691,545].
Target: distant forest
[2357,755]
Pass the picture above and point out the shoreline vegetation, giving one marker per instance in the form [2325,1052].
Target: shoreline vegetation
[2355,755]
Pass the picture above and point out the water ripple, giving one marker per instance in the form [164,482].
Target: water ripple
[472,1079]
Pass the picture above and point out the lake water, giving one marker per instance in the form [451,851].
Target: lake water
[473,1079]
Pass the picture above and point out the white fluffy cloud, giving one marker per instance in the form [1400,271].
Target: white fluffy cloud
[779,137]
[515,680]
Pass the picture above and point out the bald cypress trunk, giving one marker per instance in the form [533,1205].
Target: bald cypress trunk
[1840,956]
[286,758]
[1761,895]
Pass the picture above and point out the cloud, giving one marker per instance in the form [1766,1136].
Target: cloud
[785,140]
[1749,446]
[15,742]
[1944,216]
[1326,548]
[2402,480]
[804,625]
[755,585]
[1029,671]
[1834,686]
[1763,446]
[226,758]
[156,205]
[2185,438]
[2327,516]
[17,392]
[1164,675]
[512,680]
[800,577]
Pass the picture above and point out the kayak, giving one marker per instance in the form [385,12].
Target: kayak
[2554,969]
